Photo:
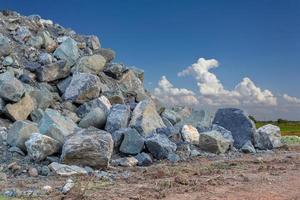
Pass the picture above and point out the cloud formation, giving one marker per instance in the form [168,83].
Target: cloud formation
[292,100]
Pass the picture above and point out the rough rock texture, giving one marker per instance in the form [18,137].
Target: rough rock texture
[68,51]
[118,118]
[248,148]
[11,89]
[132,143]
[144,159]
[88,147]
[56,126]
[125,162]
[66,170]
[90,64]
[101,102]
[145,119]
[20,132]
[160,146]
[53,71]
[267,137]
[171,116]
[95,118]
[214,142]
[40,146]
[190,134]
[238,123]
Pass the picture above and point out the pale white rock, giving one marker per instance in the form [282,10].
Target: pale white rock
[190,134]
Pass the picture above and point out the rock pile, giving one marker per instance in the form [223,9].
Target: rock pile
[66,97]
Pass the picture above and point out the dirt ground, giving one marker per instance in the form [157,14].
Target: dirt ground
[266,176]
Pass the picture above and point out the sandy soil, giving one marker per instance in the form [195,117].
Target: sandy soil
[268,176]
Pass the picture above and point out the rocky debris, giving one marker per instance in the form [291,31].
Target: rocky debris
[11,89]
[145,119]
[88,147]
[160,146]
[144,159]
[171,116]
[33,172]
[68,186]
[238,123]
[66,170]
[172,133]
[90,64]
[125,162]
[68,51]
[190,134]
[214,142]
[16,150]
[56,126]
[47,189]
[225,133]
[53,71]
[95,118]
[118,118]
[267,137]
[115,70]
[40,146]
[101,102]
[132,143]
[108,54]
[20,132]
[248,148]
[5,46]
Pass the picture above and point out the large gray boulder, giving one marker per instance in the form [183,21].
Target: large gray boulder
[145,119]
[67,51]
[83,87]
[118,118]
[20,132]
[132,143]
[101,102]
[238,123]
[267,137]
[90,64]
[214,142]
[53,71]
[11,89]
[88,147]
[40,146]
[56,126]
[95,118]
[160,146]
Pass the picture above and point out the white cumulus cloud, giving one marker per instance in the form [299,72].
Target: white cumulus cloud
[290,99]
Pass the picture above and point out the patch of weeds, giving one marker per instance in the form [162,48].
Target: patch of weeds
[290,140]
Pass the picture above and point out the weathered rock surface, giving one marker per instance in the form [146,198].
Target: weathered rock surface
[66,170]
[5,47]
[238,123]
[90,64]
[118,118]
[88,147]
[145,119]
[95,118]
[68,51]
[160,146]
[20,110]
[190,134]
[40,146]
[101,102]
[214,142]
[267,137]
[248,148]
[144,159]
[20,132]
[125,162]
[11,89]
[115,70]
[53,71]
[132,143]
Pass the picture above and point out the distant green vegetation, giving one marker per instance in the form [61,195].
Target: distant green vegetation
[286,127]
[291,139]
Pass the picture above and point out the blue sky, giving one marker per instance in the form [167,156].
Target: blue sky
[255,39]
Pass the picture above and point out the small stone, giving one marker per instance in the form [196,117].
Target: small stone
[5,47]
[16,150]
[44,171]
[101,102]
[115,70]
[144,159]
[171,116]
[11,89]
[36,42]
[45,58]
[33,172]
[20,110]
[8,61]
[248,148]
[267,137]
[48,43]
[66,170]
[93,42]
[47,189]
[125,162]
[173,157]
[53,71]
[14,167]
[22,34]
[68,186]
[190,134]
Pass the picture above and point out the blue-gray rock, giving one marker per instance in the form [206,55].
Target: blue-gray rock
[167,122]
[90,64]
[40,146]
[225,133]
[144,159]
[95,118]
[173,157]
[108,54]
[115,70]
[133,142]
[63,84]
[36,41]
[53,71]
[214,142]
[83,87]
[267,137]
[45,58]
[2,106]
[11,89]
[36,115]
[22,34]
[50,45]
[118,137]
[171,115]
[56,126]
[101,102]
[5,47]
[88,147]
[248,148]
[67,51]
[172,133]
[20,132]
[238,123]
[145,119]
[42,96]
[160,146]
[138,72]
[7,61]
[118,118]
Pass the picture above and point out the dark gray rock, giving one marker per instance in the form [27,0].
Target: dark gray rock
[115,70]
[144,159]
[36,115]
[160,146]
[248,148]
[95,118]
[132,143]
[238,123]
[102,102]
[108,54]
[172,133]
[63,84]
[171,116]
[118,118]
[267,137]
[53,71]
[173,157]
[11,89]
[118,137]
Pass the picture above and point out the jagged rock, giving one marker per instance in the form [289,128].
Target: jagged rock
[90,64]
[45,58]
[68,186]
[66,170]
[40,146]
[118,137]
[67,51]
[125,162]
[172,133]
[56,126]
[115,70]
[43,97]
[160,146]
[11,89]
[36,42]
[114,97]
[16,150]
[118,118]
[5,47]
[144,159]
[214,142]
[171,116]
[22,34]
[95,118]
[173,157]
[88,147]
[101,102]
[93,42]
[132,143]
[50,45]
[20,110]
[63,84]
[248,148]
[267,137]
[83,87]
[7,61]
[2,106]
[225,133]
[145,119]
[53,71]
[238,123]
[20,132]
[36,115]
[190,134]
[139,73]
[108,54]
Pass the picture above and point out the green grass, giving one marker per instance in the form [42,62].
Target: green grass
[291,139]
[287,128]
